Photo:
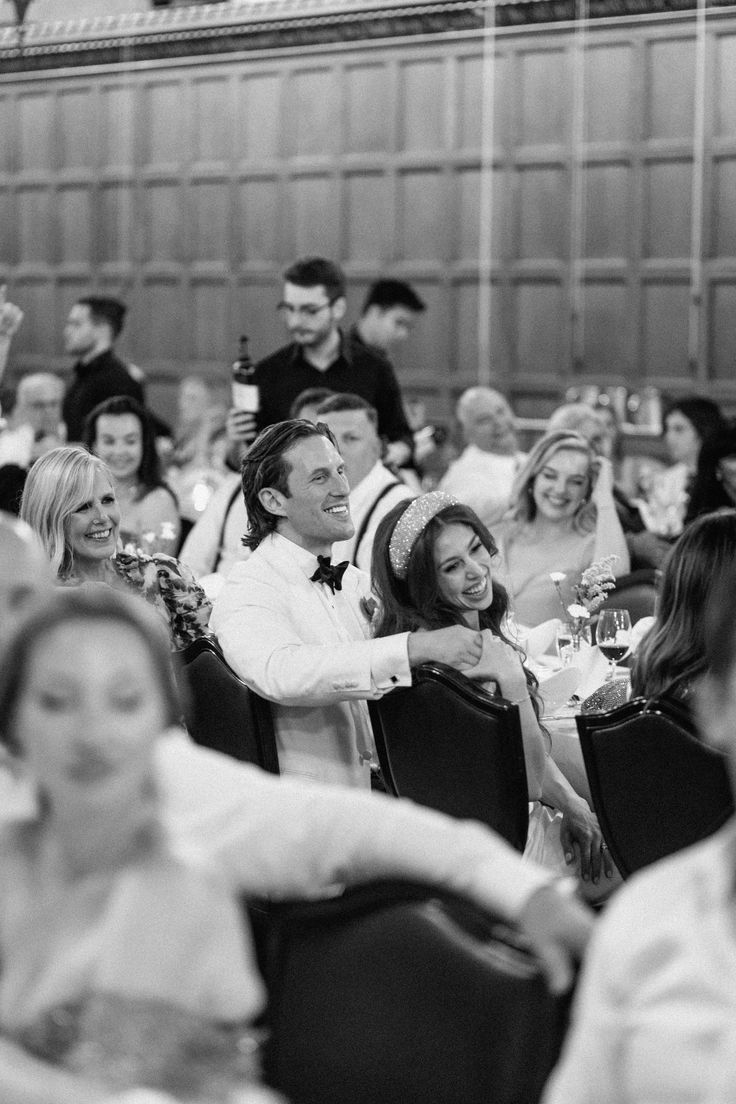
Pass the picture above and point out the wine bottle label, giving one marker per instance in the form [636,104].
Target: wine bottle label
[246,397]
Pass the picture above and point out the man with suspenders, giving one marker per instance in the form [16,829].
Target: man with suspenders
[374,489]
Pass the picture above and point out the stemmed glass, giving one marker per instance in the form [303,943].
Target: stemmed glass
[613,636]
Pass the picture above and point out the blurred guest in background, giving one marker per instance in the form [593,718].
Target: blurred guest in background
[34,424]
[120,432]
[483,474]
[390,311]
[688,423]
[374,490]
[714,484]
[600,427]
[194,459]
[562,519]
[313,305]
[33,427]
[92,328]
[199,428]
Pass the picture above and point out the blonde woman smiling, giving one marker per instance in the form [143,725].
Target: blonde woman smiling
[562,518]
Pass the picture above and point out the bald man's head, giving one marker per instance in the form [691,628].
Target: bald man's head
[38,403]
[487,420]
[24,569]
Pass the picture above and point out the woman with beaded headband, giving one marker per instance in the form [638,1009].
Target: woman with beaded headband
[432,567]
[562,519]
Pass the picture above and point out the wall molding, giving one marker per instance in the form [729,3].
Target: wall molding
[253,25]
[229,27]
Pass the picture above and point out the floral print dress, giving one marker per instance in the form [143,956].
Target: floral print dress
[170,587]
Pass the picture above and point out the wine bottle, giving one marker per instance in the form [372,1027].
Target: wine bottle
[245,389]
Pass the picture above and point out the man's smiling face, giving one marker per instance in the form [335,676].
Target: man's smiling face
[316,512]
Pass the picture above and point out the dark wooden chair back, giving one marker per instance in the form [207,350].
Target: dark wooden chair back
[446,743]
[656,787]
[220,711]
[393,993]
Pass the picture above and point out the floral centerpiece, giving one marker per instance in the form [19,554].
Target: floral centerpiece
[590,592]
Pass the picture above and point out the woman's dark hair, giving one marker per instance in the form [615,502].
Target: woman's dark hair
[416,602]
[707,492]
[705,415]
[720,626]
[91,602]
[673,653]
[149,471]
[264,465]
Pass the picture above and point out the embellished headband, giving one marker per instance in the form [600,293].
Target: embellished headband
[412,524]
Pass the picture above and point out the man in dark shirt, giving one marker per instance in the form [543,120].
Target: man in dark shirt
[90,332]
[319,355]
[390,310]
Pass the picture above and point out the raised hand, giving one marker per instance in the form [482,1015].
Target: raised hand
[11,316]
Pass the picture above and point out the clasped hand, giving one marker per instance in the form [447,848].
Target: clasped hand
[457,645]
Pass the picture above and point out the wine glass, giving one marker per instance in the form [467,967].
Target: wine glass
[565,644]
[613,636]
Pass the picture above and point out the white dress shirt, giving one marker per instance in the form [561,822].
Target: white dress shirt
[363,498]
[483,481]
[310,653]
[655,1013]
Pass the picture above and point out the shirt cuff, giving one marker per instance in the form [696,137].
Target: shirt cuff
[390,662]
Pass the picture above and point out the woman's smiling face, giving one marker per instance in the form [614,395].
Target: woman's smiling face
[92,529]
[562,485]
[463,566]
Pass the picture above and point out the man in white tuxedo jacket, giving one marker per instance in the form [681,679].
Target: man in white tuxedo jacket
[303,643]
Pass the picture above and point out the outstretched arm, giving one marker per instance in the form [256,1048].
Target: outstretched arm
[609,536]
[280,838]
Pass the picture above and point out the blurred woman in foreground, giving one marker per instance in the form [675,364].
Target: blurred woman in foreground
[119,965]
[655,1009]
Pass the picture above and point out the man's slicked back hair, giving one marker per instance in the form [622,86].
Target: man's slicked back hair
[265,465]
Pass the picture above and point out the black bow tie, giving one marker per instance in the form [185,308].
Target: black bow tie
[328,573]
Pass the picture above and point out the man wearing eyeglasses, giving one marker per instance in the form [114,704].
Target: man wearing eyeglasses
[320,355]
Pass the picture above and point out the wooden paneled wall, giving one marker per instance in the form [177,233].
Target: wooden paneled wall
[187,187]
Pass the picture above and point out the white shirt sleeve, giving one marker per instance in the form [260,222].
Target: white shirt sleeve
[260,640]
[279,837]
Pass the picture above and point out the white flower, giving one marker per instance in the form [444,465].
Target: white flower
[557,577]
[578,612]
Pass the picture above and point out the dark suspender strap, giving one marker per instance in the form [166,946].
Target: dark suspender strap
[367,519]
[238,490]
